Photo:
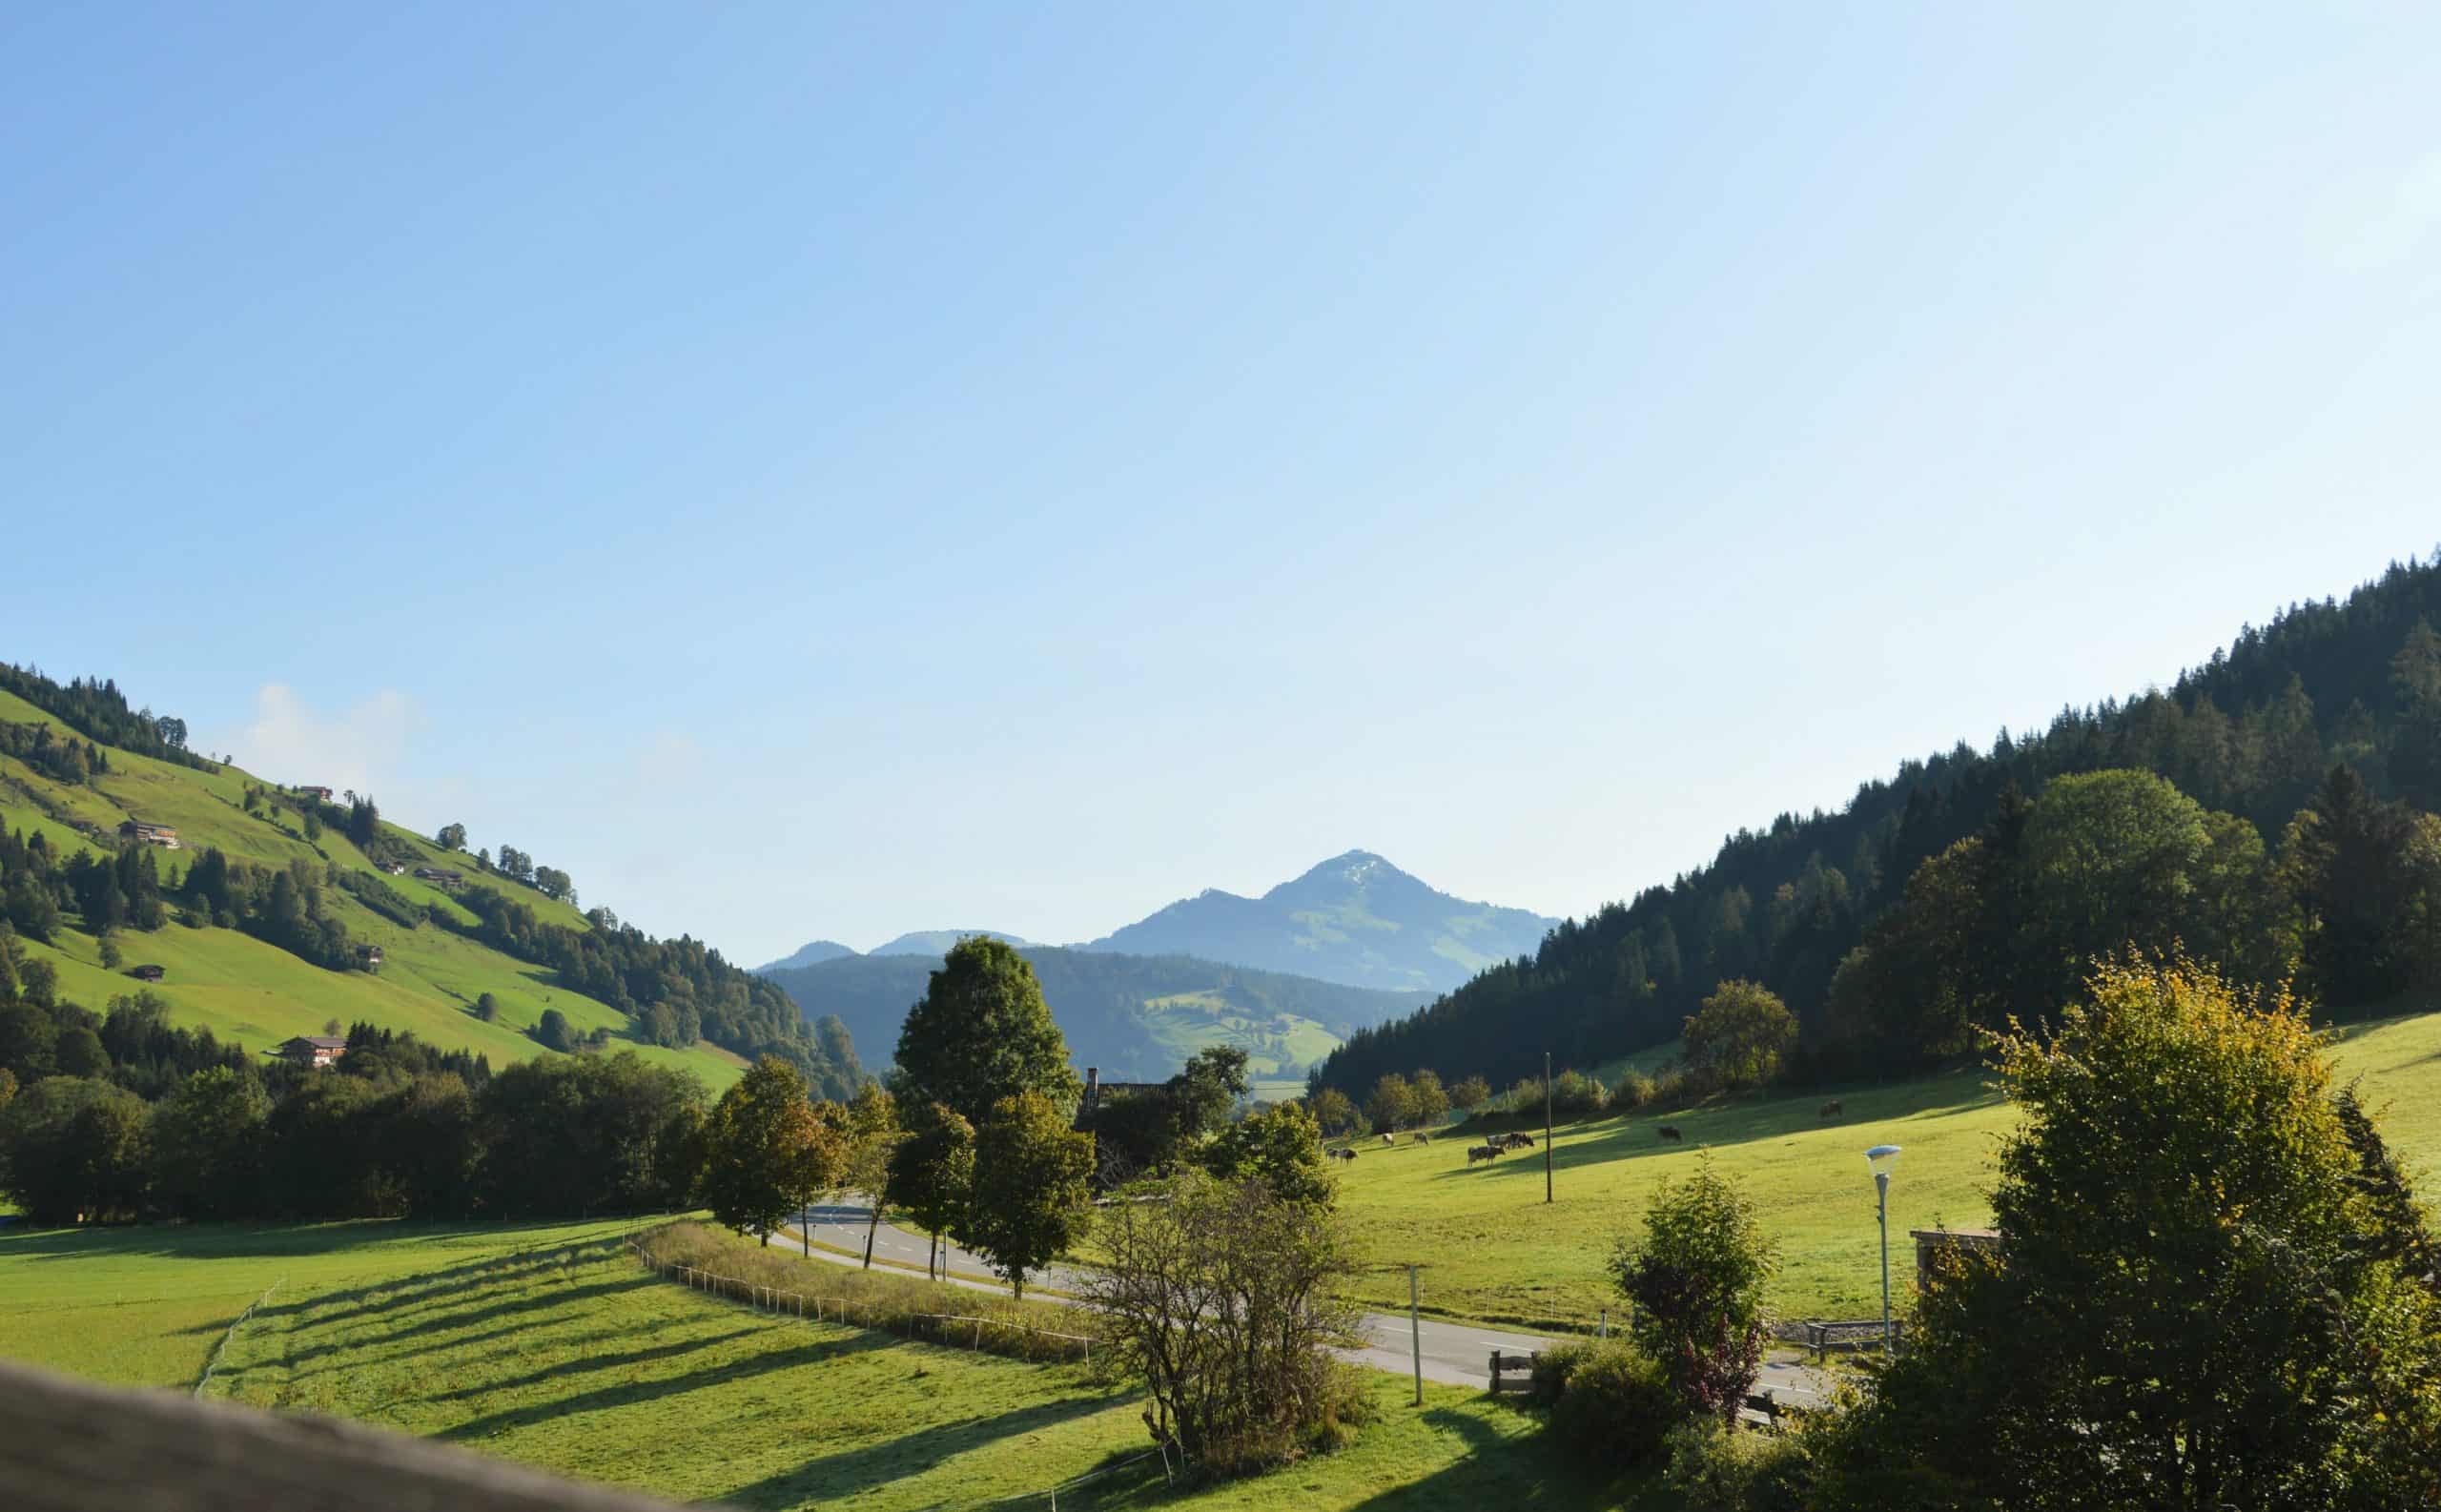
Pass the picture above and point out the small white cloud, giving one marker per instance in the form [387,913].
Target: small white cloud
[2402,225]
[361,749]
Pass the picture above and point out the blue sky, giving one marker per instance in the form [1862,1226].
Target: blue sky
[810,472]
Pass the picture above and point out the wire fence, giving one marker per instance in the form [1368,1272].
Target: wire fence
[230,1333]
[950,1328]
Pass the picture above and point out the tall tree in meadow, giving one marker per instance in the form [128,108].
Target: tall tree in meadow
[932,1170]
[1739,1034]
[1391,1104]
[982,1033]
[1032,1197]
[1431,1099]
[1336,1115]
[874,1135]
[766,1152]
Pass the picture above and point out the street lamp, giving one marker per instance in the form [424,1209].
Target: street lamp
[1883,1159]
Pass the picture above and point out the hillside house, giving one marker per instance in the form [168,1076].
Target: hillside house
[146,973]
[446,876]
[150,834]
[312,1050]
[369,957]
[396,869]
[306,790]
[1096,1089]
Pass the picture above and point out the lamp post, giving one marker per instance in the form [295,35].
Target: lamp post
[1883,1159]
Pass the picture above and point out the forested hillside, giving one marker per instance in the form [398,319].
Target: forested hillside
[282,909]
[1135,1017]
[2282,824]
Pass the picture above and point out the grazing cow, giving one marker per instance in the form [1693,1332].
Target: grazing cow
[1669,1132]
[1475,1153]
[1422,1138]
[1521,1140]
[1831,1109]
[1341,1155]
[1389,1140]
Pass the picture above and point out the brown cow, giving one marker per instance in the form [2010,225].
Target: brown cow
[1833,1108]
[1669,1132]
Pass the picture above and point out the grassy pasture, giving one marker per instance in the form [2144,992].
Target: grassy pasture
[1498,1254]
[144,1306]
[547,1345]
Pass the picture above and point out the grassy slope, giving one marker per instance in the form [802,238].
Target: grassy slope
[144,1306]
[243,988]
[1499,1254]
[1185,1023]
[595,1368]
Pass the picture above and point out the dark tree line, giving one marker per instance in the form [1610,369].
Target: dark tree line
[124,1116]
[63,759]
[99,710]
[2250,737]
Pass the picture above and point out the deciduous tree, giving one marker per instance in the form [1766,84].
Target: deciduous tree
[1031,1199]
[933,1171]
[982,1033]
[1739,1034]
[2199,1304]
[768,1152]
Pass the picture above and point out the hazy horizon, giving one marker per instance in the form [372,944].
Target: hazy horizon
[831,476]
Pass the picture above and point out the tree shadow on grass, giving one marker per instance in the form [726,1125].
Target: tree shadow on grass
[1501,1470]
[410,1290]
[632,1393]
[850,1471]
[519,1307]
[589,1363]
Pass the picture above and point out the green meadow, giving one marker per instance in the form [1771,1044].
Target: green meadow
[1495,1252]
[143,1306]
[550,1345]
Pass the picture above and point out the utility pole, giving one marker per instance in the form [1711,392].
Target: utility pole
[1547,1126]
[1415,1336]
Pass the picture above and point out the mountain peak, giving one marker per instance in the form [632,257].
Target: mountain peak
[1355,919]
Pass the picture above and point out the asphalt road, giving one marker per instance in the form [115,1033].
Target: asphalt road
[1454,1354]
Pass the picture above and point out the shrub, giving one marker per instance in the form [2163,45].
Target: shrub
[1617,1408]
[1672,1091]
[1553,1366]
[1696,1275]
[1635,1089]
[1576,1096]
[1220,1302]
[1721,1469]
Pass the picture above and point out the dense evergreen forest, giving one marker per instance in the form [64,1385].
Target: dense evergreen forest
[98,711]
[2281,825]
[675,990]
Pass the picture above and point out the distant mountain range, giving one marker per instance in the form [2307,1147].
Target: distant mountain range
[1354,919]
[934,943]
[813,952]
[1350,943]
[1136,1018]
